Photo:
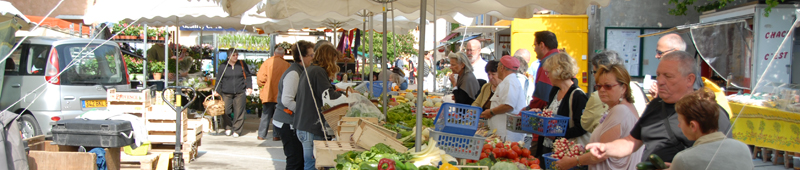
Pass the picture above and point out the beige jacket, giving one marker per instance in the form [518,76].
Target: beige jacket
[593,112]
[486,94]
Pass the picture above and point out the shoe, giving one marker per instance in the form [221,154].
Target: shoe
[276,139]
[235,135]
[228,132]
[260,138]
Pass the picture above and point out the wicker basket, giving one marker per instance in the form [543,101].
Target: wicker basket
[334,114]
[214,107]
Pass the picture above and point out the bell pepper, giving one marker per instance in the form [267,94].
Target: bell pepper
[447,166]
[368,166]
[390,164]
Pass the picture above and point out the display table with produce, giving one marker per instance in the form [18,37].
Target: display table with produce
[766,127]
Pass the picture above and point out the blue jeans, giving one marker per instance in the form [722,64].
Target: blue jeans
[307,139]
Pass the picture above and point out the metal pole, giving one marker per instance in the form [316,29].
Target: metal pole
[384,70]
[371,55]
[364,63]
[435,44]
[144,54]
[166,59]
[420,95]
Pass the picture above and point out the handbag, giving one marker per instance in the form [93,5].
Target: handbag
[585,138]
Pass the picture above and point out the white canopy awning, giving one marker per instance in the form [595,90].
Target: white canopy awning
[162,13]
[301,20]
[9,12]
[504,9]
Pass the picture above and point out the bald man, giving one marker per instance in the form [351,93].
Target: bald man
[666,44]
[529,73]
[473,50]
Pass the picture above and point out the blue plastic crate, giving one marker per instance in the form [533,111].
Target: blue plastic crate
[544,126]
[459,146]
[457,119]
[549,163]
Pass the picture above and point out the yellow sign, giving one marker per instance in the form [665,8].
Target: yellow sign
[94,103]
[766,127]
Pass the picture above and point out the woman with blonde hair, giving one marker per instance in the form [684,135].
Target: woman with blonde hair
[613,89]
[566,99]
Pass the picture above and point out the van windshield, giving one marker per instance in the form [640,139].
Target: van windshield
[102,66]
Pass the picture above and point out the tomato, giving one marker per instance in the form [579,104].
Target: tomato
[487,146]
[516,149]
[514,144]
[487,150]
[526,153]
[535,161]
[535,166]
[524,162]
[512,155]
[497,152]
[499,145]
[484,155]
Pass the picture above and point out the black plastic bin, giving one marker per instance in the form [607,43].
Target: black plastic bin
[93,133]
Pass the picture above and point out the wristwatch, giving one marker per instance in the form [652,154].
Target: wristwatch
[491,111]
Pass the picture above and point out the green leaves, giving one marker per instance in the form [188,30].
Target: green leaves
[397,44]
[682,5]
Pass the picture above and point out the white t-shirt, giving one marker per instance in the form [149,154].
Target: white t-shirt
[534,67]
[478,69]
[507,92]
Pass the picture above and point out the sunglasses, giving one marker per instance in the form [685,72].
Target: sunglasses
[663,52]
[606,86]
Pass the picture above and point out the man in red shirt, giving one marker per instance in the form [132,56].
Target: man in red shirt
[545,45]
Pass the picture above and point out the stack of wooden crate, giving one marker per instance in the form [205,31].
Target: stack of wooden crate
[135,103]
[161,121]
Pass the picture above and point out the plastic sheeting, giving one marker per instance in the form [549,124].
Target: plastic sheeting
[727,48]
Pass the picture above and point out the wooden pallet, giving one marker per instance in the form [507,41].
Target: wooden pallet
[146,162]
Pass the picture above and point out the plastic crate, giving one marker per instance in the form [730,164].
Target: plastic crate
[549,163]
[514,123]
[457,119]
[459,146]
[544,126]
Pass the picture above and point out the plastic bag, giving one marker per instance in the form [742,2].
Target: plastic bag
[360,106]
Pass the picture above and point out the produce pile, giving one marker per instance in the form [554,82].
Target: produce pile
[382,154]
[401,120]
[497,151]
[562,148]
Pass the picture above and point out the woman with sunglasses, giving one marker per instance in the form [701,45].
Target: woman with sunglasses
[614,90]
[566,99]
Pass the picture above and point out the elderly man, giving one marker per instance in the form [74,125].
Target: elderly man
[506,99]
[545,45]
[268,77]
[530,72]
[473,50]
[658,129]
[666,44]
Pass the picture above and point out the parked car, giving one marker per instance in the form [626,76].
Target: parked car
[70,91]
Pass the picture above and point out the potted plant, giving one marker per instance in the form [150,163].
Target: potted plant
[134,67]
[151,34]
[157,68]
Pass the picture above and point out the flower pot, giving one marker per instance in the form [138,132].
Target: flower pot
[161,38]
[151,38]
[157,76]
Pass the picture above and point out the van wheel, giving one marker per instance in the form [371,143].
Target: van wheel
[29,126]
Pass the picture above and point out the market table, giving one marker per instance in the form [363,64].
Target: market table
[766,127]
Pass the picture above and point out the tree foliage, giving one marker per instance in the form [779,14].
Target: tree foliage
[398,44]
[682,5]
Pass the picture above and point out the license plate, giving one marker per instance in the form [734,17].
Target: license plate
[93,103]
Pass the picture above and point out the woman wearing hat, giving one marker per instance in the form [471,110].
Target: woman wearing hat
[506,99]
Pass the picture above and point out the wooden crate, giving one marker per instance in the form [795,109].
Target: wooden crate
[345,133]
[129,102]
[189,148]
[326,151]
[45,156]
[367,136]
[146,162]
[382,129]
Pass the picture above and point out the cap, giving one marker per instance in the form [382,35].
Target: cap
[510,62]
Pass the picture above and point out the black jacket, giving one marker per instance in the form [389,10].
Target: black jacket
[236,80]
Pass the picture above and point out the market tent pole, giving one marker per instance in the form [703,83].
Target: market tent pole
[384,70]
[433,56]
[166,57]
[371,56]
[420,95]
[144,55]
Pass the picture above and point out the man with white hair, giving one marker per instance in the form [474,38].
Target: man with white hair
[667,44]
[473,50]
